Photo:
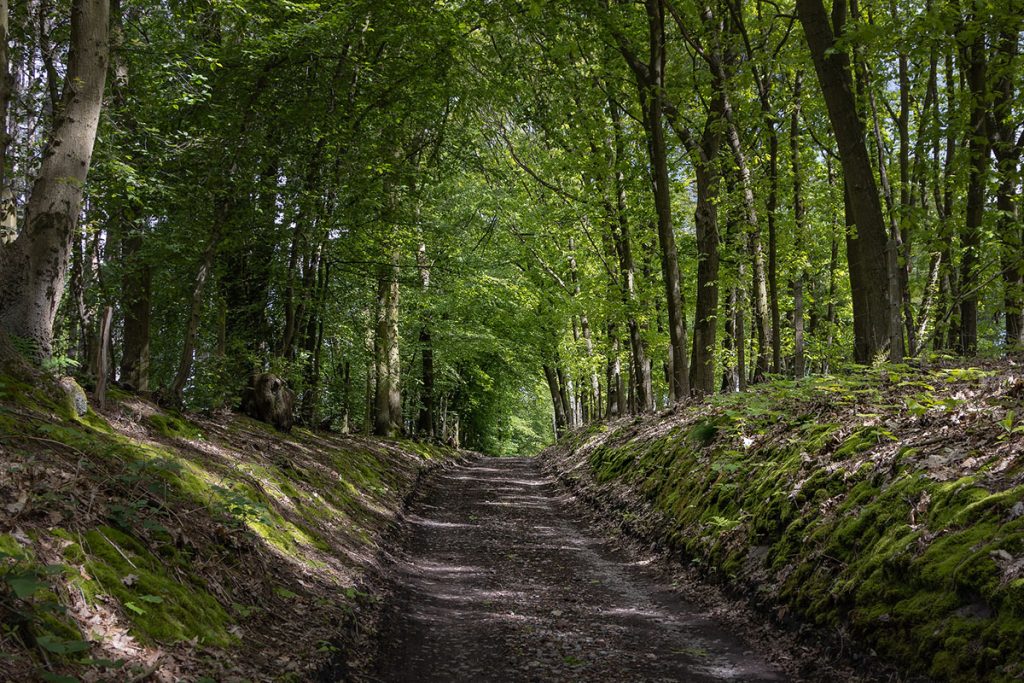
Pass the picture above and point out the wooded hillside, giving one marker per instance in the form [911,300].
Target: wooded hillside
[457,218]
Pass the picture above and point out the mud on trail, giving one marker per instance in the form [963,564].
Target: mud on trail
[499,579]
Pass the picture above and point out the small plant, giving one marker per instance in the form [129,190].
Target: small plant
[1008,423]
[59,365]
[723,524]
[32,609]
[238,506]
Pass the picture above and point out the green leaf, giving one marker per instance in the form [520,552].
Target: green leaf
[24,585]
[61,646]
[155,599]
[135,608]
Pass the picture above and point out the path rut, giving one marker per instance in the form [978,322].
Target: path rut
[500,579]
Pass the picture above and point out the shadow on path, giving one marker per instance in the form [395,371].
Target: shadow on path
[501,581]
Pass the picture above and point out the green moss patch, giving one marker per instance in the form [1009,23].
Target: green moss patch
[863,518]
[173,427]
[183,536]
[160,606]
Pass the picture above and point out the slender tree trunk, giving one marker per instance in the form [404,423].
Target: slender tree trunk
[866,251]
[556,400]
[567,394]
[973,56]
[905,234]
[947,331]
[705,325]
[346,398]
[773,248]
[136,301]
[82,326]
[33,266]
[923,317]
[894,247]
[799,362]
[613,378]
[313,338]
[1008,154]
[425,423]
[654,94]
[589,396]
[627,268]
[103,357]
[136,277]
[762,316]
[6,86]
[370,385]
[290,318]
[730,380]
[740,329]
[188,348]
[831,311]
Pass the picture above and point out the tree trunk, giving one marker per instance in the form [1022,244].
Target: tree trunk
[613,378]
[136,276]
[556,400]
[946,332]
[188,348]
[103,357]
[627,268]
[973,57]
[762,316]
[705,324]
[33,267]
[425,422]
[136,302]
[388,418]
[6,83]
[313,338]
[773,248]
[1008,153]
[903,128]
[369,386]
[654,93]
[566,394]
[799,363]
[866,250]
[345,423]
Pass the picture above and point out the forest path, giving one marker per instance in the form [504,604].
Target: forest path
[500,580]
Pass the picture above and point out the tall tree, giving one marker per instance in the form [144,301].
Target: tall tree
[33,267]
[866,248]
[650,81]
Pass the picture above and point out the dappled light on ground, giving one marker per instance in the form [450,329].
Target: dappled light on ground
[500,580]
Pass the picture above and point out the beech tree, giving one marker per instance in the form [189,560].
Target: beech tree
[33,267]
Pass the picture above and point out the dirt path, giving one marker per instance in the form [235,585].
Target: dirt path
[501,581]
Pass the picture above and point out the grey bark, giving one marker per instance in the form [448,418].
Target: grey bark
[388,395]
[34,266]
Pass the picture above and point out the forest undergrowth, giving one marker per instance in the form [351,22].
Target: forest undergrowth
[147,545]
[884,506]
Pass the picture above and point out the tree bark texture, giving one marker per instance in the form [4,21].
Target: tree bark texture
[388,395]
[33,267]
[867,242]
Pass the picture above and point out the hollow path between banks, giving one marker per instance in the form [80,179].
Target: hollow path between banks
[500,579]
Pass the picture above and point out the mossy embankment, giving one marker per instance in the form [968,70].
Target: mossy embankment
[886,506]
[139,542]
